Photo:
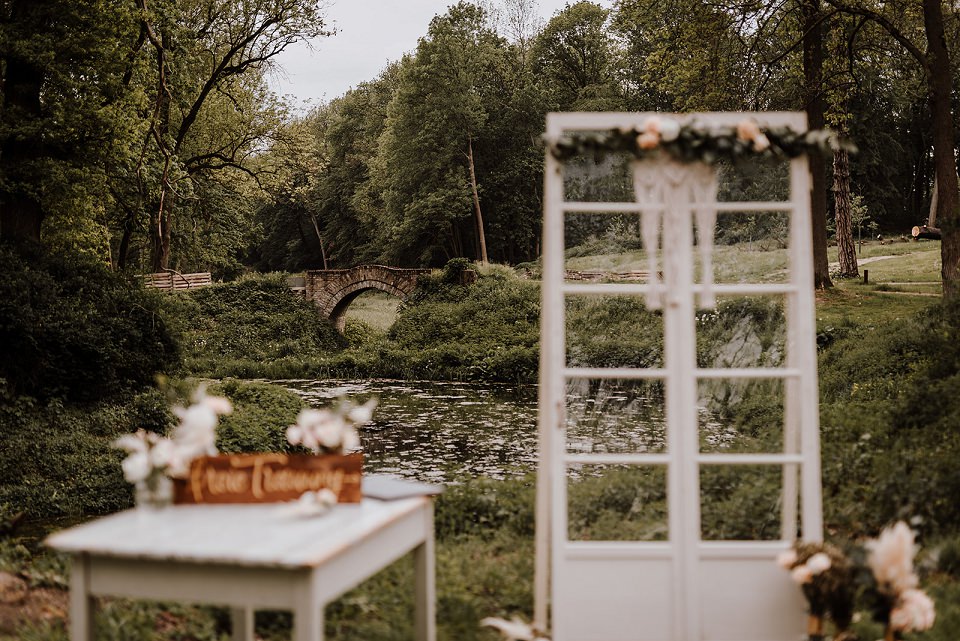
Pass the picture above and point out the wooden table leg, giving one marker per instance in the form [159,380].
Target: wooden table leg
[242,624]
[425,616]
[81,603]
[308,614]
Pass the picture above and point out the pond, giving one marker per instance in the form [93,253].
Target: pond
[447,432]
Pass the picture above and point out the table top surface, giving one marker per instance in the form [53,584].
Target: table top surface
[266,535]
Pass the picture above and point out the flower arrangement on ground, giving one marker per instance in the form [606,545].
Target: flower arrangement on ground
[880,574]
[892,590]
[825,575]
[153,460]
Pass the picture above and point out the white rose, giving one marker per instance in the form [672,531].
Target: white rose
[136,467]
[197,417]
[818,563]
[219,404]
[362,414]
[787,558]
[294,435]
[669,129]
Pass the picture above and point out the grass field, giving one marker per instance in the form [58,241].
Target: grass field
[375,308]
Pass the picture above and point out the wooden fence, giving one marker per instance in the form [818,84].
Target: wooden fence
[174,280]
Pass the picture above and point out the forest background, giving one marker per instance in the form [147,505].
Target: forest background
[145,133]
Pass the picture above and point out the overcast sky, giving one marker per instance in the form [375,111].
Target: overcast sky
[370,33]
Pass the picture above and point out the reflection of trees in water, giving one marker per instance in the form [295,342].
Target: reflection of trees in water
[615,416]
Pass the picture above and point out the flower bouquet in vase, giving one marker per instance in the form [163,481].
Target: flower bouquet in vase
[153,461]
[330,473]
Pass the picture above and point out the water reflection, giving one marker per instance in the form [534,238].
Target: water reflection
[438,431]
[447,432]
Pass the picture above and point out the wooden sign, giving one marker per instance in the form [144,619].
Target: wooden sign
[269,478]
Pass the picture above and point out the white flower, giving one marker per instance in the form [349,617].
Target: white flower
[330,434]
[801,575]
[514,629]
[914,612]
[351,440]
[761,142]
[132,443]
[362,414]
[819,563]
[219,404]
[330,431]
[669,129]
[787,558]
[891,558]
[198,417]
[315,503]
[294,435]
[136,467]
[162,453]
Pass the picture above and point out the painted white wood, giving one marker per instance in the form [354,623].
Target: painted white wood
[685,589]
[765,206]
[250,556]
[425,617]
[242,624]
[81,602]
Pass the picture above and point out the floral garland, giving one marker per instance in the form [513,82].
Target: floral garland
[693,142]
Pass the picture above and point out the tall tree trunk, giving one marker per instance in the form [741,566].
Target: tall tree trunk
[316,230]
[476,202]
[813,75]
[945,167]
[846,250]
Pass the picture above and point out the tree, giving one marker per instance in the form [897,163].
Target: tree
[203,49]
[572,55]
[934,59]
[425,168]
[63,107]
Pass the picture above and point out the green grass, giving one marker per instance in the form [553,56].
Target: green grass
[375,308]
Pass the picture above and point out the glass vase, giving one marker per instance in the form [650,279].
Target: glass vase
[154,492]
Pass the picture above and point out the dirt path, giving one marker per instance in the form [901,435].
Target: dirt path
[865,261]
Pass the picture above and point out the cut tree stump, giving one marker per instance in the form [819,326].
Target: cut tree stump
[922,231]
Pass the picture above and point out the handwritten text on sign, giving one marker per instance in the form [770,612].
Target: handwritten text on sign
[269,478]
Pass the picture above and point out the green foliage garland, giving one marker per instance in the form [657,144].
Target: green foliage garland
[697,143]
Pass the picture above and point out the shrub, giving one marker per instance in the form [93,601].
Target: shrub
[71,328]
[240,328]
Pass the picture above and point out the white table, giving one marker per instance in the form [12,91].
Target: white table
[248,557]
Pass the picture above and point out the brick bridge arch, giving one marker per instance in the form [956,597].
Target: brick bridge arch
[332,290]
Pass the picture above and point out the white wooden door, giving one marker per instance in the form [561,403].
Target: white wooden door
[681,585]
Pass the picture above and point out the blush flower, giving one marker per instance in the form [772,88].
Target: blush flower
[801,575]
[648,140]
[891,558]
[914,612]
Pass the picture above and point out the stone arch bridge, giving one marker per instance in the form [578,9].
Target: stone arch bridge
[332,290]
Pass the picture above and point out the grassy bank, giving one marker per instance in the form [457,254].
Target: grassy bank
[890,404]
